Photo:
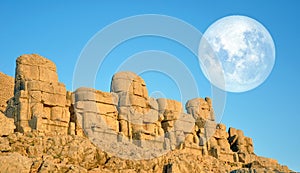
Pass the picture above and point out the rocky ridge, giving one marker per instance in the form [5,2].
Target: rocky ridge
[45,128]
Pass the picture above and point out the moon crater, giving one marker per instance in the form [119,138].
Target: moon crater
[244,53]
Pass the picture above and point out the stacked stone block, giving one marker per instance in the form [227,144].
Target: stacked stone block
[205,125]
[39,98]
[41,103]
[139,118]
[241,144]
[95,112]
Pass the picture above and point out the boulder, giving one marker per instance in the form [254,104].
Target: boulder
[7,125]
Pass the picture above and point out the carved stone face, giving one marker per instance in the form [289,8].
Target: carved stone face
[204,109]
[200,107]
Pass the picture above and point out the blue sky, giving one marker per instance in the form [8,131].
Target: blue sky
[59,31]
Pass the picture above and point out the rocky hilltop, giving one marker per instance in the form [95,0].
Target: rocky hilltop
[45,128]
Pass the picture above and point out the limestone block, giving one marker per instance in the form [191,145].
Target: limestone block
[221,132]
[224,145]
[23,111]
[129,114]
[151,129]
[6,90]
[37,109]
[125,127]
[7,125]
[136,128]
[176,138]
[46,112]
[127,99]
[208,131]
[56,113]
[249,146]
[153,103]
[53,99]
[112,123]
[35,96]
[140,110]
[66,115]
[36,60]
[27,72]
[169,105]
[107,98]
[137,101]
[47,75]
[150,116]
[49,87]
[79,124]
[125,113]
[142,136]
[185,123]
[106,109]
[89,94]
[34,85]
[59,88]
[228,157]
[71,130]
[85,94]
[68,98]
[89,120]
[88,106]
[58,127]
[171,115]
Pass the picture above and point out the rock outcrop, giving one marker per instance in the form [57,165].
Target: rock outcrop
[44,128]
[40,101]
[7,90]
[6,93]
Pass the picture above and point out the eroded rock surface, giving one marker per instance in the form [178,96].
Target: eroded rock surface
[7,90]
[40,100]
[44,128]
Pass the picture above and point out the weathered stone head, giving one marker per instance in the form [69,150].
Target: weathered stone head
[129,82]
[200,107]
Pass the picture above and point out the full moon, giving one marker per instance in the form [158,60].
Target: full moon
[241,53]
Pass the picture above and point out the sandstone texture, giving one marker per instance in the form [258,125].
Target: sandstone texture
[6,93]
[7,90]
[45,128]
[40,101]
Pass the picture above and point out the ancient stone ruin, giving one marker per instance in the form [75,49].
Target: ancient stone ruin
[38,103]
